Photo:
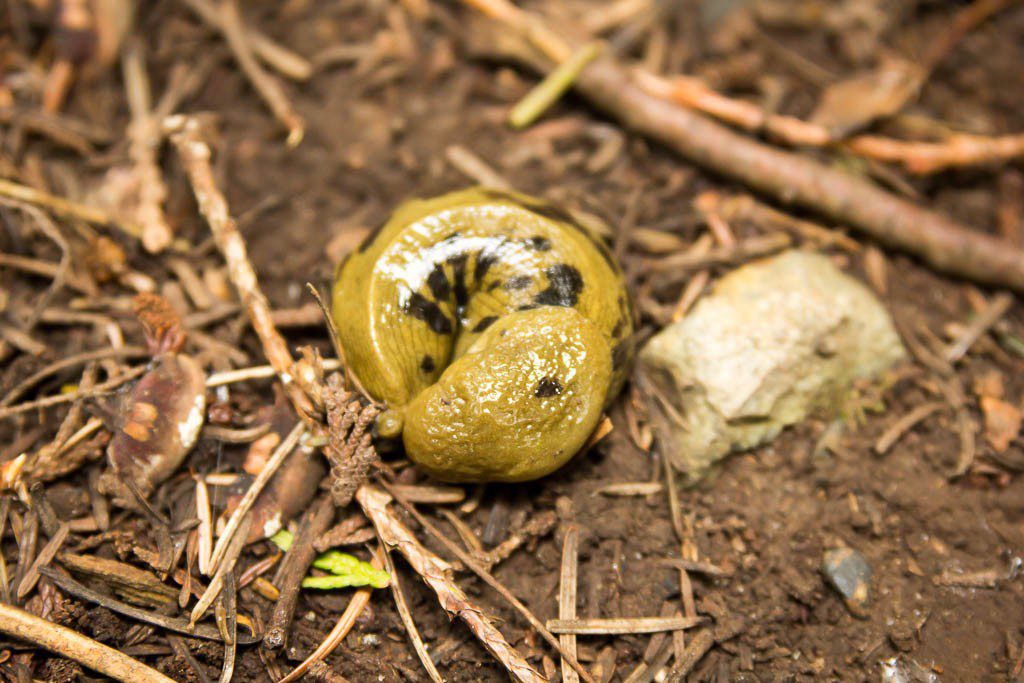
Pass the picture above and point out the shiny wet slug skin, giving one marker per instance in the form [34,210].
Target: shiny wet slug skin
[494,327]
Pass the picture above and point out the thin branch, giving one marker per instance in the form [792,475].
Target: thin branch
[282,451]
[63,270]
[293,568]
[72,396]
[265,84]
[20,624]
[407,620]
[65,208]
[143,144]
[622,625]
[76,589]
[489,579]
[965,20]
[791,178]
[219,379]
[434,572]
[924,158]
[28,582]
[905,424]
[71,362]
[286,62]
[999,306]
[567,596]
[227,566]
[195,156]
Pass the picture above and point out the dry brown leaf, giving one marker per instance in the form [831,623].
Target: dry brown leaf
[852,104]
[1002,422]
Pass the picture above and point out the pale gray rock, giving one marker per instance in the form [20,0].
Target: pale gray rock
[774,341]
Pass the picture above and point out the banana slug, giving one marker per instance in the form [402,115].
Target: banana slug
[493,325]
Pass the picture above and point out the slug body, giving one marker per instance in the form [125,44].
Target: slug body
[493,326]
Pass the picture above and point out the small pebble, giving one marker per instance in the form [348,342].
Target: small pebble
[850,574]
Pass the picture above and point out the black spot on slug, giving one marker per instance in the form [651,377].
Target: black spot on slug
[527,307]
[518,282]
[619,325]
[564,286]
[438,283]
[484,260]
[485,323]
[458,263]
[547,387]
[538,243]
[422,308]
[427,365]
[494,285]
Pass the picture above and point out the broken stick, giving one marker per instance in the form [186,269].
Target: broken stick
[790,178]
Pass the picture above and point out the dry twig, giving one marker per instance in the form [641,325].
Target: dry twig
[489,579]
[923,158]
[63,270]
[143,144]
[74,588]
[475,168]
[435,572]
[195,155]
[699,646]
[273,463]
[265,84]
[72,396]
[273,54]
[70,362]
[905,424]
[746,207]
[296,564]
[18,623]
[995,310]
[938,240]
[622,625]
[567,597]
[64,207]
[227,566]
[407,620]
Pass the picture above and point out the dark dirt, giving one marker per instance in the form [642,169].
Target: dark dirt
[377,133]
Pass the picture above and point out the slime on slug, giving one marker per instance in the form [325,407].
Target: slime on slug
[493,325]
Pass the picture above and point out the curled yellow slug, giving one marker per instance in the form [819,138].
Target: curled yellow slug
[494,326]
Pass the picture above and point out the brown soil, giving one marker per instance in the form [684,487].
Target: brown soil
[377,133]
